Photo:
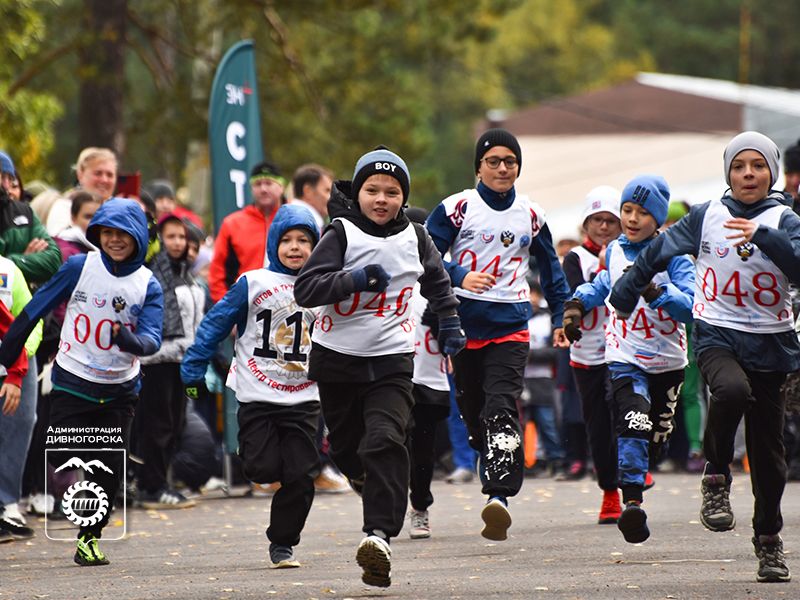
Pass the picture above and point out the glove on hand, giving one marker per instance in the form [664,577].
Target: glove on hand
[573,313]
[651,292]
[372,278]
[198,391]
[451,338]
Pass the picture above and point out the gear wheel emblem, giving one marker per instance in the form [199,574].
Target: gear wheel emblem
[94,504]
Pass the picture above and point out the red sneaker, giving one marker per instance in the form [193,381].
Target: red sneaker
[648,481]
[611,509]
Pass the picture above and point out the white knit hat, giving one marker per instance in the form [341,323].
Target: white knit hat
[601,199]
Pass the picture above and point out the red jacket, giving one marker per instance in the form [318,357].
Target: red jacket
[241,246]
[20,367]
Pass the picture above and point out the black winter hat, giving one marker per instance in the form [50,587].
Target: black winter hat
[791,158]
[381,161]
[267,169]
[496,137]
[158,188]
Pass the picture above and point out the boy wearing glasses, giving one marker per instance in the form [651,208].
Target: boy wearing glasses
[491,232]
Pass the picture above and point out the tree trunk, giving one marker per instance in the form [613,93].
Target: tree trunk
[102,75]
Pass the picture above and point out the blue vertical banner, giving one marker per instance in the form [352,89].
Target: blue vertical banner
[234,131]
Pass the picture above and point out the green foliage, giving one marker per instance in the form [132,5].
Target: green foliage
[26,115]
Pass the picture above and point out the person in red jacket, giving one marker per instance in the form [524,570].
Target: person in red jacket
[241,244]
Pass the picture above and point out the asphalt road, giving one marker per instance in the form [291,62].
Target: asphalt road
[218,551]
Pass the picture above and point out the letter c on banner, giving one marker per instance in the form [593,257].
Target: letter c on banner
[234,133]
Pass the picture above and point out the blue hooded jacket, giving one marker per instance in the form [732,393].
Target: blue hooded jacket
[122,214]
[232,308]
[289,216]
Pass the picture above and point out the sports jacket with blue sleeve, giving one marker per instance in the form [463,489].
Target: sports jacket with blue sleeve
[754,351]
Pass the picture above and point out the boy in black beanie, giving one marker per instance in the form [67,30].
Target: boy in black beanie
[362,276]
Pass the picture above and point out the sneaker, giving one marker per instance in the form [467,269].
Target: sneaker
[420,526]
[330,482]
[17,529]
[577,471]
[716,513]
[165,499]
[41,504]
[610,509]
[282,557]
[771,560]
[461,475]
[88,554]
[695,463]
[649,482]
[375,557]
[5,536]
[357,485]
[262,490]
[633,523]
[497,519]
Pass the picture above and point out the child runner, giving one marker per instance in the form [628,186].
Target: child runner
[362,275]
[645,354]
[747,246]
[491,233]
[278,405]
[431,404]
[587,355]
[113,317]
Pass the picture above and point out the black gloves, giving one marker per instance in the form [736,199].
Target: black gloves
[451,338]
[651,292]
[198,391]
[573,313]
[372,278]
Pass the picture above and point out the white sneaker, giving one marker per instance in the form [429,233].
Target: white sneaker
[420,526]
[40,504]
[11,511]
[461,475]
[330,482]
[375,557]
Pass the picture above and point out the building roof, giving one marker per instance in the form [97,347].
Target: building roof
[629,107]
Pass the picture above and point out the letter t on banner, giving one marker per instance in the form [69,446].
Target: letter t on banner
[234,131]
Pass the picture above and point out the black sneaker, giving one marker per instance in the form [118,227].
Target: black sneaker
[633,523]
[771,560]
[282,557]
[17,529]
[88,554]
[165,499]
[5,536]
[716,513]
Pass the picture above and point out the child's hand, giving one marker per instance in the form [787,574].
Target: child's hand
[560,339]
[746,230]
[573,313]
[11,392]
[372,278]
[478,282]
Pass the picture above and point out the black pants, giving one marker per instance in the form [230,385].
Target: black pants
[366,436]
[68,411]
[600,416]
[278,443]
[420,441]
[643,427]
[160,417]
[755,395]
[489,381]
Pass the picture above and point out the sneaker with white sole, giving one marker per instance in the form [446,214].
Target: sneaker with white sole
[771,560]
[461,475]
[282,557]
[330,482]
[420,526]
[375,557]
[496,519]
[716,513]
[165,499]
[17,528]
[264,490]
[41,504]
